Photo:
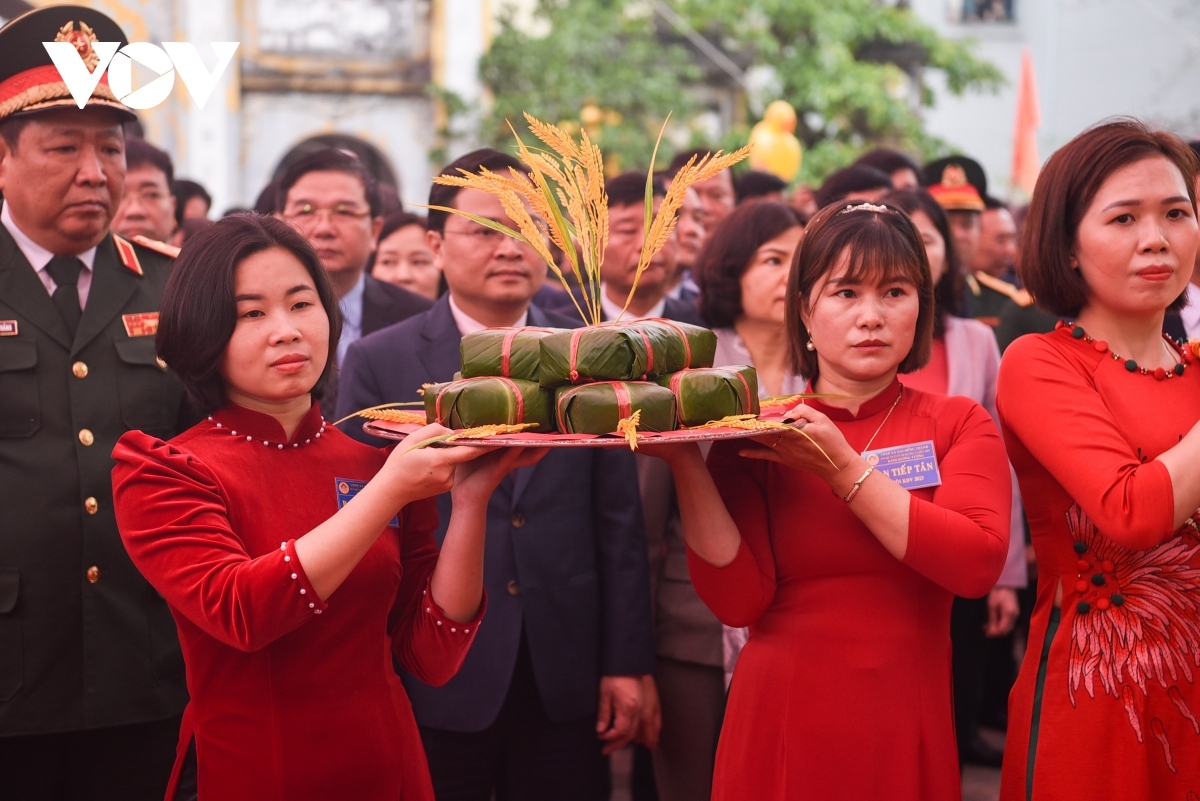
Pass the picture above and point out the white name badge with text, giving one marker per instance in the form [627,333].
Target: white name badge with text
[912,466]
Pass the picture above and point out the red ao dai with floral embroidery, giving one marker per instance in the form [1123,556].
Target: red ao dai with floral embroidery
[1120,695]
[292,697]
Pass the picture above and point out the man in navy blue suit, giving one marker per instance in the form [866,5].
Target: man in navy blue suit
[553,681]
[626,221]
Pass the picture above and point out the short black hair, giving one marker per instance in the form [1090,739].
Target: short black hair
[887,160]
[681,159]
[727,254]
[851,179]
[992,203]
[948,292]
[629,188]
[198,312]
[184,190]
[10,129]
[755,183]
[267,200]
[140,153]
[329,160]
[472,162]
[397,220]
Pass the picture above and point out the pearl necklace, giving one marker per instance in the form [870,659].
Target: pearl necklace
[1159,373]
[278,445]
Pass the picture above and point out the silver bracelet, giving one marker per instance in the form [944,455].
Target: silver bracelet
[858,485]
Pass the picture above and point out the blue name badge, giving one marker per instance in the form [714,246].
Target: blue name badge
[347,488]
[912,466]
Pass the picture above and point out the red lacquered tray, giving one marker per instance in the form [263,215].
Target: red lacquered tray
[528,439]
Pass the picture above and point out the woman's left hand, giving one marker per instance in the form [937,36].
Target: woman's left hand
[476,480]
[821,449]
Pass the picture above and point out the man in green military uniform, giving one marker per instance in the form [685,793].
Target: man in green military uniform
[91,675]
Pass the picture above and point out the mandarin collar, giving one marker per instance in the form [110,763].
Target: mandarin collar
[878,404]
[243,422]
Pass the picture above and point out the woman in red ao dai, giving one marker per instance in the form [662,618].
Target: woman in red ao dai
[1102,422]
[838,549]
[297,562]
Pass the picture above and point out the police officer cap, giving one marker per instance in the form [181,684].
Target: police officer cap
[30,82]
[934,172]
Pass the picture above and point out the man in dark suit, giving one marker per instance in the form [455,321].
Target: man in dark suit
[91,674]
[553,680]
[626,224]
[333,200]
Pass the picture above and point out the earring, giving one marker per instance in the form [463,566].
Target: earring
[810,345]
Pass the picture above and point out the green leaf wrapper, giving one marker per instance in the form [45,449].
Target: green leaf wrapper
[624,351]
[473,402]
[509,352]
[712,393]
[597,408]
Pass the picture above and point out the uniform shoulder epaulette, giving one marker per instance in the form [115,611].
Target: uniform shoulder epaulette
[1021,297]
[127,255]
[162,248]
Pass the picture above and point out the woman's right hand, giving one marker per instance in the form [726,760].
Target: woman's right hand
[416,473]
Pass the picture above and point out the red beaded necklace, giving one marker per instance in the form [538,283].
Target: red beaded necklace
[1159,373]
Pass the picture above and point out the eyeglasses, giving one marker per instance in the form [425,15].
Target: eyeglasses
[490,237]
[147,196]
[307,215]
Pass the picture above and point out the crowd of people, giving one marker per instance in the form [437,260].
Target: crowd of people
[209,589]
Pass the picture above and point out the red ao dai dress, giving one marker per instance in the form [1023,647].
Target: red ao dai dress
[843,690]
[1108,694]
[292,697]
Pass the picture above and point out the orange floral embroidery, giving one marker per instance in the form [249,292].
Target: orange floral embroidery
[1137,620]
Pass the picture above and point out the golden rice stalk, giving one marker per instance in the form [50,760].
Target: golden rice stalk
[748,422]
[665,220]
[386,409]
[394,416]
[792,400]
[628,426]
[479,432]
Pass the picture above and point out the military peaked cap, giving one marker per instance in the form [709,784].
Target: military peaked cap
[29,81]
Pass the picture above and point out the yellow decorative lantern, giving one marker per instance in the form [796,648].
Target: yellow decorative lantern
[774,146]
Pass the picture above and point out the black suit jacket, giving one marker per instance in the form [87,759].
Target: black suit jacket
[565,557]
[79,648]
[680,310]
[384,304]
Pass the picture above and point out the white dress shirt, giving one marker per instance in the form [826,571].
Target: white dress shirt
[39,257]
[613,310]
[469,325]
[352,317]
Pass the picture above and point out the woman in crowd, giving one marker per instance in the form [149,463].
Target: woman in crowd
[1100,418]
[402,256]
[843,690]
[297,562]
[964,360]
[742,272]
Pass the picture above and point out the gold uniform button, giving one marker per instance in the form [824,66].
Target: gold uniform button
[91,505]
[518,520]
[79,370]
[85,436]
[93,574]
[513,587]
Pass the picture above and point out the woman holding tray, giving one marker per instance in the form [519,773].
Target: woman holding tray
[297,562]
[842,544]
[1102,421]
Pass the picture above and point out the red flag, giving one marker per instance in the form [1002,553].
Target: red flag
[1025,163]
